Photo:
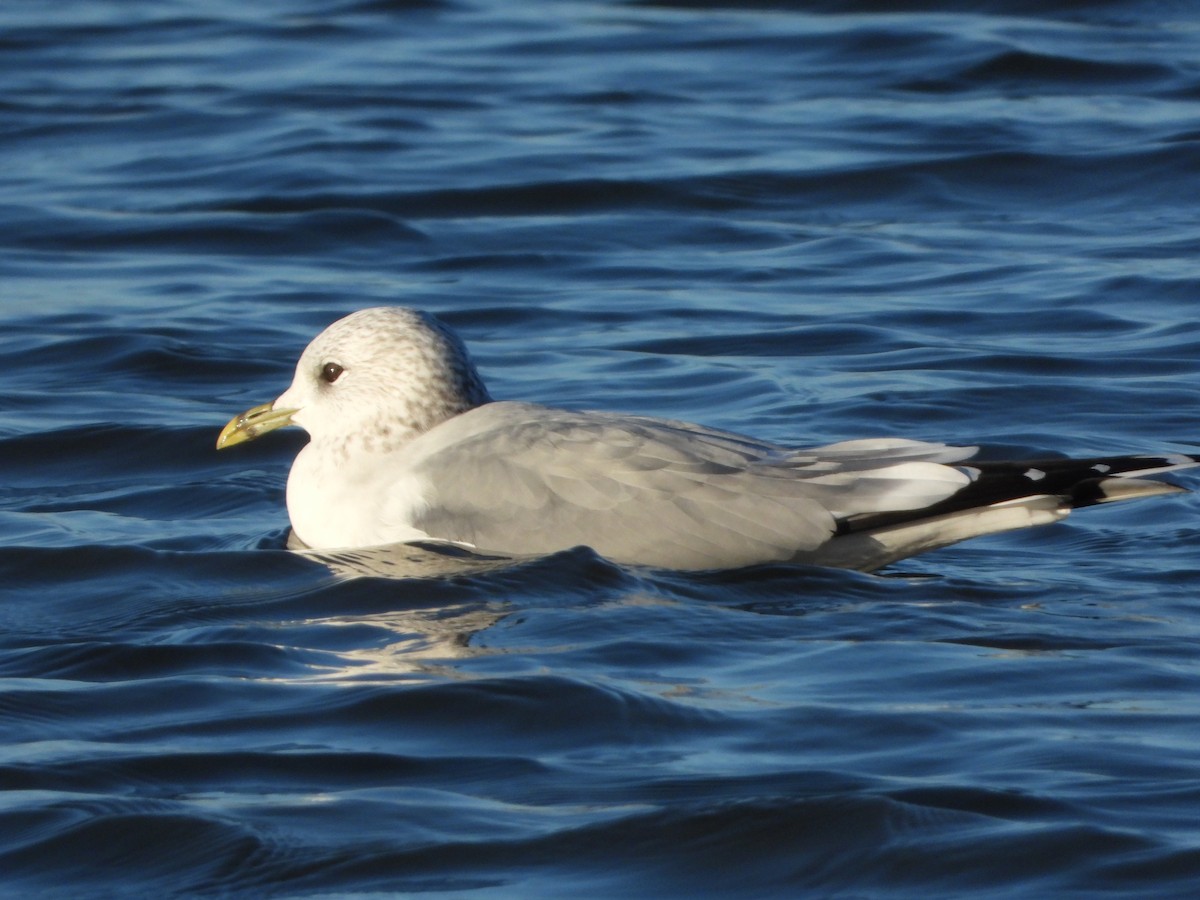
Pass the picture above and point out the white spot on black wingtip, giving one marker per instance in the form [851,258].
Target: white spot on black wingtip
[1034,474]
[1102,468]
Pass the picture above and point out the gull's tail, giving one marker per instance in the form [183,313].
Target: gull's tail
[1002,496]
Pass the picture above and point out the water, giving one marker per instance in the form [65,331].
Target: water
[805,221]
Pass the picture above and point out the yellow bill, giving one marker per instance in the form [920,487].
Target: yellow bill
[253,423]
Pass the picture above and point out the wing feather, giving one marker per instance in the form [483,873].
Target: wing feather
[511,477]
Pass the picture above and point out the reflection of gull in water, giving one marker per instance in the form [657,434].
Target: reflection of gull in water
[420,642]
[428,640]
[417,560]
[408,446]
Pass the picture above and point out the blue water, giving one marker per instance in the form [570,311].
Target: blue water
[972,222]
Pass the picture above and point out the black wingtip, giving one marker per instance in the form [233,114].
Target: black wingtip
[1076,482]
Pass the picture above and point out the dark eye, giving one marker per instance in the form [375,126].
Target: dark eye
[330,372]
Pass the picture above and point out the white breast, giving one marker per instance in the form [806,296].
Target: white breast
[336,500]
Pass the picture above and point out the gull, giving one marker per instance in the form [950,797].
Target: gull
[406,445]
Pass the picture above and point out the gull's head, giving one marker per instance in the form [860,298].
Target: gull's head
[380,376]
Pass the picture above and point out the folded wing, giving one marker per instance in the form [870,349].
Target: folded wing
[509,477]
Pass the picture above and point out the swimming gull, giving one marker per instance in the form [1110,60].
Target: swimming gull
[407,445]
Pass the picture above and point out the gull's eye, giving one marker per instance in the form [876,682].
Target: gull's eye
[330,372]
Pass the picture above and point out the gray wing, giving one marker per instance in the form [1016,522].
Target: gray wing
[517,478]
